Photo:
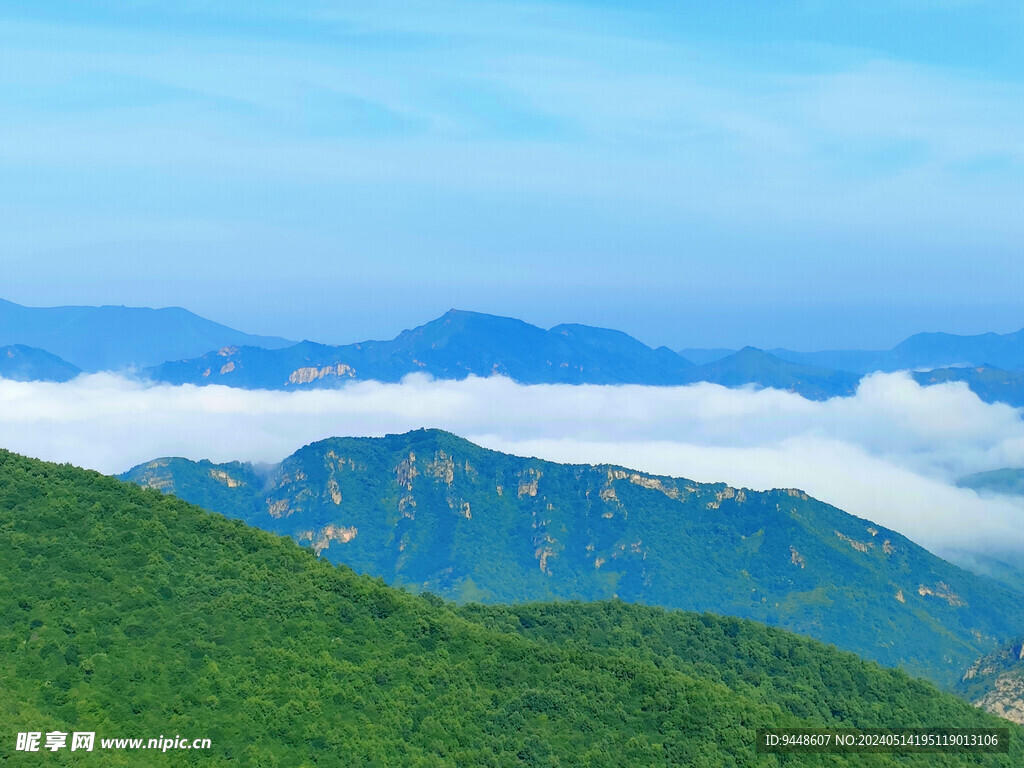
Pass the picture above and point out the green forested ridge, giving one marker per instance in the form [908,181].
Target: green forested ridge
[428,510]
[130,613]
[768,665]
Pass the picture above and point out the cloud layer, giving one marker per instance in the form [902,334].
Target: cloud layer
[890,454]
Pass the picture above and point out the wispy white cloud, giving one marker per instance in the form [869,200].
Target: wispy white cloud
[647,159]
[890,454]
[646,115]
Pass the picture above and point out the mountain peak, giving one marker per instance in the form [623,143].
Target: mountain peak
[749,351]
[469,313]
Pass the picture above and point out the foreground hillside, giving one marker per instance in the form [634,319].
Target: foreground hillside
[429,510]
[129,613]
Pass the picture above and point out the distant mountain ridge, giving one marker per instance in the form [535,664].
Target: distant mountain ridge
[920,351]
[755,366]
[454,346]
[176,347]
[429,510]
[991,384]
[111,338]
[461,344]
[943,350]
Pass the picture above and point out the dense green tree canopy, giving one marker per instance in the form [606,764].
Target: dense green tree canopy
[428,510]
[130,613]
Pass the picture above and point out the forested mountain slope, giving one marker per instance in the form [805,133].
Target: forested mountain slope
[431,511]
[127,613]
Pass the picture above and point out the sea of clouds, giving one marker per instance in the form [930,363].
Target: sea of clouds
[891,453]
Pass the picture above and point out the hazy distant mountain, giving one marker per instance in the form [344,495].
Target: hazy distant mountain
[460,344]
[454,346]
[923,350]
[852,360]
[22,363]
[1006,481]
[941,350]
[178,347]
[1005,566]
[993,385]
[700,356]
[757,367]
[108,338]
[430,510]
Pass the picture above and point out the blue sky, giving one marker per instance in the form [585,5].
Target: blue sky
[804,174]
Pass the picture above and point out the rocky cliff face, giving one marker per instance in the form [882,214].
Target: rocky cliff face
[995,682]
